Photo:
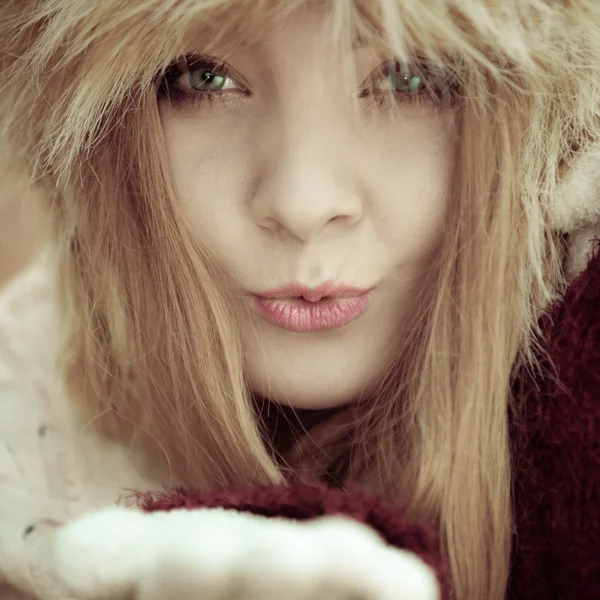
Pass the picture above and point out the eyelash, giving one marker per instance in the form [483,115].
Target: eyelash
[440,85]
[176,96]
[441,90]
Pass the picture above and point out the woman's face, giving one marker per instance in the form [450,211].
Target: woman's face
[321,190]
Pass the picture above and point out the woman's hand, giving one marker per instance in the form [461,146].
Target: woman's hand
[219,554]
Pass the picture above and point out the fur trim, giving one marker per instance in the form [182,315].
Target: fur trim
[578,199]
[581,250]
[576,209]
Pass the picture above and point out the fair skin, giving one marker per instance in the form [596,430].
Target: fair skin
[285,181]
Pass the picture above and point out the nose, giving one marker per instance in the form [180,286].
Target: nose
[307,187]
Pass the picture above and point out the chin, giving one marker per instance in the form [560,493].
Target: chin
[302,396]
[314,371]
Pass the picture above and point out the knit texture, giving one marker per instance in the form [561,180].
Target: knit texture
[557,454]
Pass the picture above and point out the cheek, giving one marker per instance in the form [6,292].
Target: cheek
[209,164]
[412,183]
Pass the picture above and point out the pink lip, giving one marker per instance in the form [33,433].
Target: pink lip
[300,309]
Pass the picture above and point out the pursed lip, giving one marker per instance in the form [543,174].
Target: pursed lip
[298,308]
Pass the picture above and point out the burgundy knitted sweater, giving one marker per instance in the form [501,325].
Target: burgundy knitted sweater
[556,467]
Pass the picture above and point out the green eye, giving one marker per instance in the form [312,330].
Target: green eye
[418,82]
[207,80]
[406,82]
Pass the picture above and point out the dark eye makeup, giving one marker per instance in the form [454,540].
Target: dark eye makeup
[196,80]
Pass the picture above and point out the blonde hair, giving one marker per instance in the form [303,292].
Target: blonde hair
[152,335]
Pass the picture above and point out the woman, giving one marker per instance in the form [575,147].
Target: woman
[356,210]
